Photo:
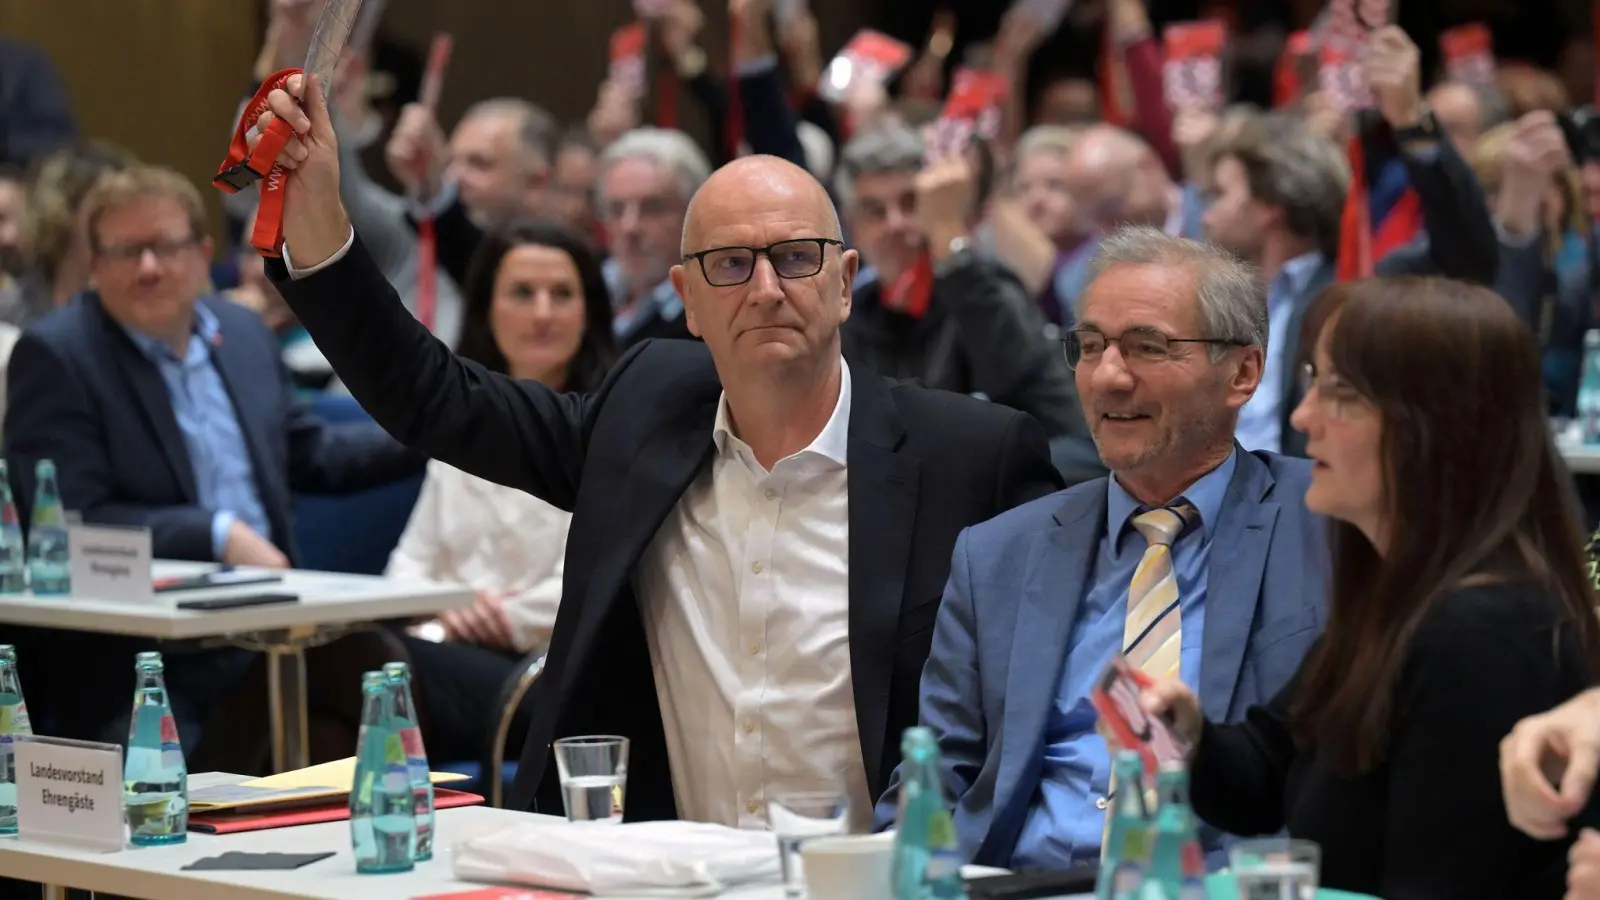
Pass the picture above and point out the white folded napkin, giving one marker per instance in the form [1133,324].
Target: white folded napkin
[638,859]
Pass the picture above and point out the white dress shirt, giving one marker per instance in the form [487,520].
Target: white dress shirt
[745,593]
[490,538]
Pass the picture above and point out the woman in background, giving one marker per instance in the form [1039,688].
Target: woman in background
[1460,604]
[537,310]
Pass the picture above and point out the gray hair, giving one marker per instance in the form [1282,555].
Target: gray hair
[889,146]
[675,152]
[1058,139]
[1303,173]
[1232,298]
[537,130]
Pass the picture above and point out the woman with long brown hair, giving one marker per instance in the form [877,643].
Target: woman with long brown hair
[1459,605]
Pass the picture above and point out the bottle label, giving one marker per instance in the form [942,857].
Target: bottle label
[411,740]
[14,720]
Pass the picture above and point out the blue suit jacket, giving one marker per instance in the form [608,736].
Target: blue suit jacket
[1000,642]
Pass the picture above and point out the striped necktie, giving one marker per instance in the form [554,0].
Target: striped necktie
[1152,637]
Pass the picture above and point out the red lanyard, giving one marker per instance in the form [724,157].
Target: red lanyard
[244,167]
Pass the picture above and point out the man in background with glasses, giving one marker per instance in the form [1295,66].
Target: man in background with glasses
[169,409]
[760,531]
[1196,558]
[938,311]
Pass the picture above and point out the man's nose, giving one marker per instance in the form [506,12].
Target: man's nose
[764,281]
[149,263]
[1111,372]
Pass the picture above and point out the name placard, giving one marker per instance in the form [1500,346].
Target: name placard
[69,792]
[111,563]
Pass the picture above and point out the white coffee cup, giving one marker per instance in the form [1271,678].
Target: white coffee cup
[849,867]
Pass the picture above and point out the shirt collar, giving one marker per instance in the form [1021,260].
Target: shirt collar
[1205,495]
[1297,272]
[206,326]
[663,297]
[831,442]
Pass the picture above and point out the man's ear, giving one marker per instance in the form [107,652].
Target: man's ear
[679,276]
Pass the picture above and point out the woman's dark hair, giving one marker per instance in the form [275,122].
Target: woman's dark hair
[596,352]
[1471,485]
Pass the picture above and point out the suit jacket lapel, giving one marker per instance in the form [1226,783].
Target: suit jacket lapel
[1056,580]
[882,486]
[155,401]
[1238,562]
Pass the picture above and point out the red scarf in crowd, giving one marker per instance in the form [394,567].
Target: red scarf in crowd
[1360,244]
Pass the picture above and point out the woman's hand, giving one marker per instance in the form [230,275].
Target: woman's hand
[1173,702]
[484,623]
[1561,747]
[1583,867]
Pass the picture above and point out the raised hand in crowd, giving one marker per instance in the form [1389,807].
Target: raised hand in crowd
[615,113]
[751,20]
[1548,763]
[315,225]
[1172,700]
[1193,129]
[799,39]
[679,28]
[1395,76]
[946,193]
[1324,118]
[1020,35]
[1538,150]
[417,152]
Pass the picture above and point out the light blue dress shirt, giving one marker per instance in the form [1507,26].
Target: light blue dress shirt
[1063,825]
[663,298]
[224,478]
[1261,420]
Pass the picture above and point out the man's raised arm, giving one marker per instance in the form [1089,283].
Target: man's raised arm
[519,434]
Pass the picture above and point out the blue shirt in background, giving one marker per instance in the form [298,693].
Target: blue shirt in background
[224,478]
[1067,819]
[1261,420]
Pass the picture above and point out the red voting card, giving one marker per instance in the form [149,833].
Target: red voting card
[628,45]
[1116,698]
[1468,54]
[1192,72]
[972,111]
[870,56]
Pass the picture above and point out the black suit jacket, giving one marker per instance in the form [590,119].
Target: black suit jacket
[80,392]
[922,466]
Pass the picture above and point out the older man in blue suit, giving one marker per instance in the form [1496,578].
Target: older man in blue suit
[1231,567]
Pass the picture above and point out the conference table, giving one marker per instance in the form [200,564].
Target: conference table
[329,605]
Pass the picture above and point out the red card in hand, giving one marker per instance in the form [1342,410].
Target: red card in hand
[1116,698]
[627,58]
[870,56]
[972,110]
[1192,73]
[1469,54]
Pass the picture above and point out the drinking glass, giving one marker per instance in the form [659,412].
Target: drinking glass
[1276,869]
[594,777]
[799,817]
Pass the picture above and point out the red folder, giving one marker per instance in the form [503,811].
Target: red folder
[233,823]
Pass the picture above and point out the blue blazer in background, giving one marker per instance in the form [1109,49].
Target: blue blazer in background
[1000,641]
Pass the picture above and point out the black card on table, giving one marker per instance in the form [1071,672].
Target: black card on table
[237,861]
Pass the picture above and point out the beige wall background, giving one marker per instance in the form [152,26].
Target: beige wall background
[164,77]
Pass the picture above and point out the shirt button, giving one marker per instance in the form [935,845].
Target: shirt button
[753,805]
[771,494]
[755,648]
[756,567]
[749,726]
[1099,803]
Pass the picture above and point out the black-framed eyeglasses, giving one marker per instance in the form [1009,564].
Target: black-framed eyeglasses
[164,250]
[1137,345]
[733,266]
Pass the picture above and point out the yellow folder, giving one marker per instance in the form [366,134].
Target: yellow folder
[315,784]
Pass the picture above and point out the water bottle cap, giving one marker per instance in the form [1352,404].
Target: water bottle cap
[374,679]
[397,670]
